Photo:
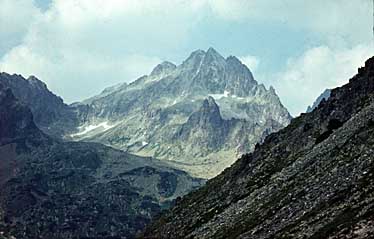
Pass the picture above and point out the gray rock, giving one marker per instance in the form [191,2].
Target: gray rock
[155,115]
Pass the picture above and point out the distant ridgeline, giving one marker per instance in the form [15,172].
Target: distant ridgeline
[199,116]
[324,96]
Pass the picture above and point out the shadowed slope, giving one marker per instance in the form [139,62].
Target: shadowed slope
[53,189]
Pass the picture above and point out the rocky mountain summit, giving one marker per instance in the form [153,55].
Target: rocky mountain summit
[312,179]
[50,113]
[55,189]
[199,115]
[324,96]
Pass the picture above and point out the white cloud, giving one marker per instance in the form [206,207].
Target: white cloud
[16,16]
[344,18]
[76,75]
[319,68]
[79,47]
[251,62]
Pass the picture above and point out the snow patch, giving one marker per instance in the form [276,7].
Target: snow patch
[88,128]
[237,97]
[144,143]
[219,96]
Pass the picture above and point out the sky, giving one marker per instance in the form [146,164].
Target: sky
[80,47]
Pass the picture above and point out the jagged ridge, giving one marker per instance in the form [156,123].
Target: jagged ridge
[50,113]
[154,115]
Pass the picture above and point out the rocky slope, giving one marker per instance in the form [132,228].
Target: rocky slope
[193,115]
[53,189]
[324,96]
[50,113]
[313,179]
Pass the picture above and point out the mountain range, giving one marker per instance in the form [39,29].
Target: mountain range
[55,189]
[104,167]
[200,115]
[312,179]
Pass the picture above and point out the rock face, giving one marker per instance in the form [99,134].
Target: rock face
[312,179]
[50,113]
[324,96]
[197,115]
[54,189]
[16,120]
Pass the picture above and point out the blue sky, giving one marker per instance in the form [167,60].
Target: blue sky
[79,47]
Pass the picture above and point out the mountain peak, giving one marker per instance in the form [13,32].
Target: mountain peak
[210,110]
[208,113]
[212,73]
[182,96]
[210,103]
[324,96]
[35,82]
[212,51]
[163,68]
[206,120]
[197,53]
[272,90]
[233,60]
[213,56]
[46,107]
[370,63]
[194,60]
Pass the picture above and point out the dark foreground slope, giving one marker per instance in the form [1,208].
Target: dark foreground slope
[52,189]
[313,179]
